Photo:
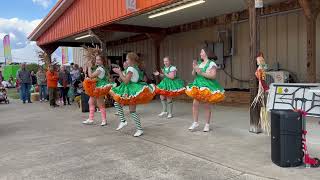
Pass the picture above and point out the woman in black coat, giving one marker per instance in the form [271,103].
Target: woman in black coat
[65,81]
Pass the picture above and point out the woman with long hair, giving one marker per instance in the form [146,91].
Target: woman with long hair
[171,86]
[205,88]
[97,86]
[42,83]
[131,92]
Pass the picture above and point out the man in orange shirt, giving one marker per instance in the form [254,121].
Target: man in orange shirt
[52,83]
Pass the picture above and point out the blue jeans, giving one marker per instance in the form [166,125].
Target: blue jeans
[43,92]
[25,92]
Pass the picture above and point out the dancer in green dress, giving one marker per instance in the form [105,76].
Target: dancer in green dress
[204,88]
[97,86]
[171,86]
[125,67]
[132,91]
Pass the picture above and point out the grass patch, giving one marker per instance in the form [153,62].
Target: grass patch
[13,94]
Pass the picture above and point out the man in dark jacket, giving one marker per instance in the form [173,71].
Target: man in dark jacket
[65,81]
[24,78]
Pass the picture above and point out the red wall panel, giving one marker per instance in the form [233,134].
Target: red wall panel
[86,14]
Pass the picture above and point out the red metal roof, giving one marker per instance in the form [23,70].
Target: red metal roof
[70,17]
[52,15]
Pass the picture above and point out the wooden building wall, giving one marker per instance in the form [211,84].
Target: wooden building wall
[283,40]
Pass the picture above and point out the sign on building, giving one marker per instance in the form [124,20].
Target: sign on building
[131,5]
[259,3]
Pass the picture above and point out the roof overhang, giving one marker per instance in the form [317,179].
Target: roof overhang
[140,24]
[53,15]
[211,8]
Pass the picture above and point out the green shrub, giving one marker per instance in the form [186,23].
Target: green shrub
[32,67]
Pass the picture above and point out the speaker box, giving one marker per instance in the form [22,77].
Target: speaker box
[286,138]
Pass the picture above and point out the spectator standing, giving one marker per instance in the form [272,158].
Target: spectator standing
[75,73]
[33,78]
[42,83]
[25,81]
[52,83]
[82,74]
[75,77]
[71,66]
[65,81]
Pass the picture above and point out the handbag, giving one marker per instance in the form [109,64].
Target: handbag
[71,92]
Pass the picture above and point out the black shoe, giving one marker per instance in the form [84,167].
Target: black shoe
[64,104]
[56,105]
[23,102]
[29,102]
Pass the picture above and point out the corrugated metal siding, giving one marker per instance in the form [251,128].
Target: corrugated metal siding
[145,48]
[85,14]
[283,40]
[183,48]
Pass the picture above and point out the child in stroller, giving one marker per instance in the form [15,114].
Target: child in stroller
[3,95]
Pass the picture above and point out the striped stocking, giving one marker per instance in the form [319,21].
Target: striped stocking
[120,111]
[136,119]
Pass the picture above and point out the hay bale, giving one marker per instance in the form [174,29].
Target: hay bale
[34,96]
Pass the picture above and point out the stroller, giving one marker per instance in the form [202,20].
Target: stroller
[3,95]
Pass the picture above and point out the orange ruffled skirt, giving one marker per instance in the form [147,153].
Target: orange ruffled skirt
[205,95]
[89,86]
[167,93]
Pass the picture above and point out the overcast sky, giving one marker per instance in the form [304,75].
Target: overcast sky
[18,18]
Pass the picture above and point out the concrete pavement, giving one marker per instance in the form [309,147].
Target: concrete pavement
[42,143]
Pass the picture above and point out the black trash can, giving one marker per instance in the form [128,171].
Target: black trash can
[286,138]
